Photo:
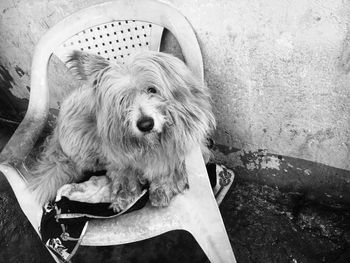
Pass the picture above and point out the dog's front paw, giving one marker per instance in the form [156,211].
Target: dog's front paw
[160,197]
[121,200]
[124,191]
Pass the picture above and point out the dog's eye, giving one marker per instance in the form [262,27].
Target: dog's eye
[151,90]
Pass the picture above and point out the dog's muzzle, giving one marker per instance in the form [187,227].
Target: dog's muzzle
[145,124]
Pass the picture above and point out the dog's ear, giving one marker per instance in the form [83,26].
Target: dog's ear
[85,65]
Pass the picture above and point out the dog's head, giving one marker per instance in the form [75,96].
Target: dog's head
[151,101]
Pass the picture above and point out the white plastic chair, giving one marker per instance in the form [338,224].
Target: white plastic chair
[98,29]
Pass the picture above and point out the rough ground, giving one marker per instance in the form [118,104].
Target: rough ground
[264,225]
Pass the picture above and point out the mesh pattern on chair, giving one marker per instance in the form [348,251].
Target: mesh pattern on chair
[114,40]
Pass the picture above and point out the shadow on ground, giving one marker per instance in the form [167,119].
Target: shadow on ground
[263,223]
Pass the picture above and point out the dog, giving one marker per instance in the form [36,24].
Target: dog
[136,120]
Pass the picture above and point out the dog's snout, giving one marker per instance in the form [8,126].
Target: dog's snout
[145,124]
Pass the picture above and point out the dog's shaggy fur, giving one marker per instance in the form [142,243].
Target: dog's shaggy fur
[137,120]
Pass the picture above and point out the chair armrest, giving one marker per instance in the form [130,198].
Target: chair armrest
[27,133]
[23,139]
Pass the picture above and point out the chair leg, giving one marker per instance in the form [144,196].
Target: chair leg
[25,198]
[207,227]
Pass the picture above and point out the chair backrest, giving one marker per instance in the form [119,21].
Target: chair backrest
[98,29]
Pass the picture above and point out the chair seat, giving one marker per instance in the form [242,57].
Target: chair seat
[195,211]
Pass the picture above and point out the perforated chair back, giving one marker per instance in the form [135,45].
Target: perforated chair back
[114,40]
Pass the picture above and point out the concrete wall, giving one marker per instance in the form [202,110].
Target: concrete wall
[276,69]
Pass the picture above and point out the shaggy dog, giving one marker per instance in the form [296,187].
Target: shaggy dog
[137,120]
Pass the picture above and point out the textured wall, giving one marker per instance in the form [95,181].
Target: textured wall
[274,68]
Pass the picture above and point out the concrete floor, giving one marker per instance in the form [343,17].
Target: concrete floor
[264,225]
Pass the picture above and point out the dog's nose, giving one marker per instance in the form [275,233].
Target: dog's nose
[145,124]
